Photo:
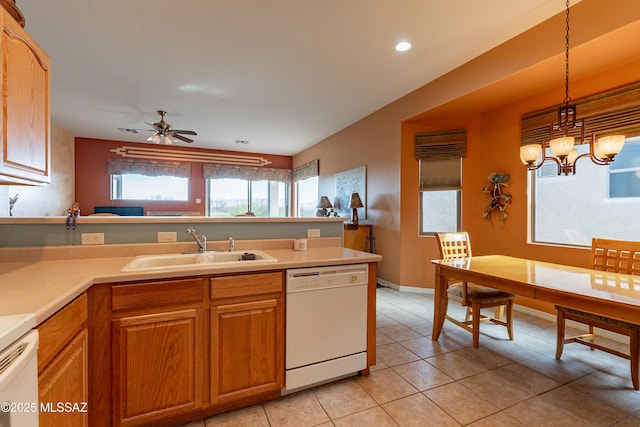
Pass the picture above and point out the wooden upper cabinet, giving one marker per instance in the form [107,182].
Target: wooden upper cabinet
[24,128]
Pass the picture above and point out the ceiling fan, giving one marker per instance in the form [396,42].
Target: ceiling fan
[166,134]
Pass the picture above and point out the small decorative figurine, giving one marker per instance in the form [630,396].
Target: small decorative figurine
[12,201]
[499,199]
[74,212]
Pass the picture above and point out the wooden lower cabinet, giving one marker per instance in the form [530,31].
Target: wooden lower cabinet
[63,367]
[158,365]
[246,358]
[188,348]
[158,356]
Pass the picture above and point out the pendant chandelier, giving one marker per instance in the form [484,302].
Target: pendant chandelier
[561,143]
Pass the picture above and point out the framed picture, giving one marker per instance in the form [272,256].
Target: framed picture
[347,182]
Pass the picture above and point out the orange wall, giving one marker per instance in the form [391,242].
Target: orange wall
[487,96]
[93,183]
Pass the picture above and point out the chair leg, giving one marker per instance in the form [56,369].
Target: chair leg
[510,319]
[560,324]
[476,324]
[467,316]
[499,312]
[593,336]
[634,354]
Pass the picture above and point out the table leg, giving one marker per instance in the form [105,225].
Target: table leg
[439,304]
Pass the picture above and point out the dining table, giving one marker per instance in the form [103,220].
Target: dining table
[607,294]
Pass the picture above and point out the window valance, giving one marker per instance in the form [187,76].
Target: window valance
[616,111]
[441,145]
[308,170]
[249,173]
[118,166]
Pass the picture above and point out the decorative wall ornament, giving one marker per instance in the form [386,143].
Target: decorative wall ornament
[499,198]
[347,183]
[157,153]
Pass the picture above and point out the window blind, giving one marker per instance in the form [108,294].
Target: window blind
[616,111]
[441,145]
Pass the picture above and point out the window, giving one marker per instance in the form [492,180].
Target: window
[440,188]
[598,201]
[128,186]
[624,172]
[307,196]
[231,197]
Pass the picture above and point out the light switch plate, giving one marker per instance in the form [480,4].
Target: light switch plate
[92,238]
[167,236]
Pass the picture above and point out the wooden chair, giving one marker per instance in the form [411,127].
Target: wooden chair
[617,256]
[474,297]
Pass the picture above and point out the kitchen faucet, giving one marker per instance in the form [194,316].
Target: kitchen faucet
[200,238]
[232,244]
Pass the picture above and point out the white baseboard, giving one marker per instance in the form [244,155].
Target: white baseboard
[518,308]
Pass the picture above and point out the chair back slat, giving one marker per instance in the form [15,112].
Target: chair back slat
[454,245]
[616,256]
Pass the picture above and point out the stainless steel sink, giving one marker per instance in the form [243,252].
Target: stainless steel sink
[206,259]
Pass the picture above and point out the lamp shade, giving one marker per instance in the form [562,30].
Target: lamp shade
[611,145]
[324,203]
[561,146]
[355,201]
[529,153]
[572,156]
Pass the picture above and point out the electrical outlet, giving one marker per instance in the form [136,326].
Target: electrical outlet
[313,232]
[92,238]
[167,236]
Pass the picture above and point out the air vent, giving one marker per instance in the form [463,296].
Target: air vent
[7,360]
[128,130]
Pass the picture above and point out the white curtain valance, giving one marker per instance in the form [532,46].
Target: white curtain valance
[119,166]
[249,173]
[308,170]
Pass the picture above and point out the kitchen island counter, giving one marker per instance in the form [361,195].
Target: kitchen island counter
[44,286]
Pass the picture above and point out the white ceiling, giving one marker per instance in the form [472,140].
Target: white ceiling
[281,74]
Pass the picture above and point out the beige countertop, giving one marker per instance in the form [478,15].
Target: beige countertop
[45,285]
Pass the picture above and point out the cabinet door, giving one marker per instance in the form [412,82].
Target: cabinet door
[25,157]
[246,349]
[157,365]
[64,381]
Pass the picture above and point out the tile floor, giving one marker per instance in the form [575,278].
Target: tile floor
[419,382]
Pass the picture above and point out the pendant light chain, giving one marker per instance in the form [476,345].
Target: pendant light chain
[566,84]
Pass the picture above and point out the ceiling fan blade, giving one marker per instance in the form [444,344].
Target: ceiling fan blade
[181,138]
[158,129]
[186,132]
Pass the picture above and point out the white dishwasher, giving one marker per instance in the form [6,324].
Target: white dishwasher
[326,324]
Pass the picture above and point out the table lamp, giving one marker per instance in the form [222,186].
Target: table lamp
[354,204]
[323,205]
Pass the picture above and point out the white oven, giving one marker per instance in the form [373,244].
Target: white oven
[326,324]
[18,371]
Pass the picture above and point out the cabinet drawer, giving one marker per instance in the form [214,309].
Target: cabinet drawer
[157,294]
[246,284]
[57,331]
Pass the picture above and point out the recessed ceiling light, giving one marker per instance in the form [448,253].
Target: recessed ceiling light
[403,46]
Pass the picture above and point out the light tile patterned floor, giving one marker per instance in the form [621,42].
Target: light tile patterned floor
[419,382]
